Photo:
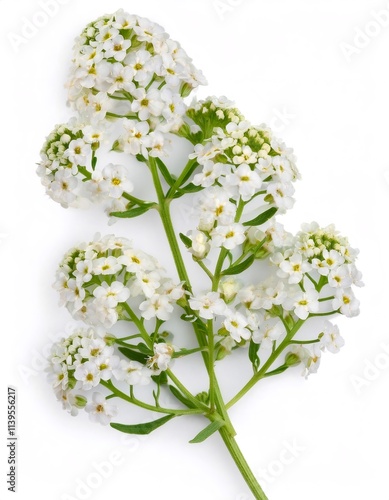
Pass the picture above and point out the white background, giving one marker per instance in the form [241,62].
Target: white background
[274,58]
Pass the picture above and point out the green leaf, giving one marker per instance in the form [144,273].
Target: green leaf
[134,355]
[240,267]
[177,394]
[144,349]
[278,370]
[160,379]
[189,188]
[185,240]
[134,212]
[208,431]
[141,158]
[253,355]
[143,429]
[261,218]
[165,172]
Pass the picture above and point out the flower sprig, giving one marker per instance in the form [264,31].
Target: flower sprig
[261,285]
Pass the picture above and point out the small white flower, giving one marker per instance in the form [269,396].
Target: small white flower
[330,338]
[116,47]
[347,303]
[210,173]
[340,277]
[245,180]
[106,266]
[88,375]
[147,103]
[269,331]
[105,365]
[200,245]
[116,178]
[303,303]
[236,324]
[100,410]
[228,236]
[162,357]
[133,140]
[208,305]
[158,306]
[294,268]
[77,152]
[132,372]
[112,295]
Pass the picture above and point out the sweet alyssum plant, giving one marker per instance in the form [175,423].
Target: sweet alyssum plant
[128,86]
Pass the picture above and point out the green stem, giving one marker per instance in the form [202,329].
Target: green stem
[205,269]
[241,463]
[131,399]
[139,324]
[211,364]
[188,167]
[186,392]
[136,201]
[164,212]
[272,358]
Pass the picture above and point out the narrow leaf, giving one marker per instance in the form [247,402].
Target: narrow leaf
[160,379]
[134,212]
[190,188]
[261,218]
[177,394]
[253,355]
[240,267]
[143,429]
[165,172]
[185,240]
[278,370]
[134,355]
[208,431]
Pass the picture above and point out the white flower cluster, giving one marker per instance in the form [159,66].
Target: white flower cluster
[95,280]
[319,261]
[67,161]
[128,66]
[80,362]
[239,162]
[315,273]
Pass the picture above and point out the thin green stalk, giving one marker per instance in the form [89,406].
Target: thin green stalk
[186,392]
[272,358]
[138,323]
[164,213]
[211,364]
[181,178]
[131,399]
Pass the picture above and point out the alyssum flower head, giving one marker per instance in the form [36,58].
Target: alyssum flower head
[261,284]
